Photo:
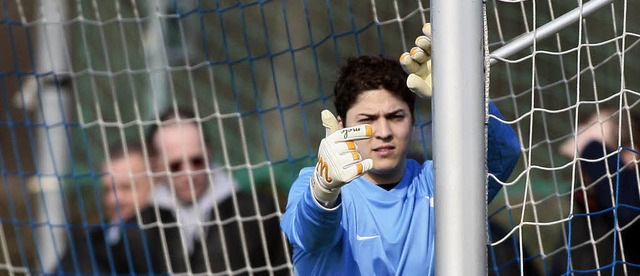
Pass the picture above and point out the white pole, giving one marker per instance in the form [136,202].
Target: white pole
[52,136]
[547,30]
[458,106]
[156,57]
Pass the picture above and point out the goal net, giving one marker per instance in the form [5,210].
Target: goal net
[80,76]
[572,96]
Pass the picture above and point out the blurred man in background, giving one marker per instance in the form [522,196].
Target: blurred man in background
[220,229]
[119,245]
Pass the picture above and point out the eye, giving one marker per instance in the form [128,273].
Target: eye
[365,119]
[197,162]
[396,117]
[175,166]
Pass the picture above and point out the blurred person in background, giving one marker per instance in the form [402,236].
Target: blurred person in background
[120,245]
[607,206]
[214,227]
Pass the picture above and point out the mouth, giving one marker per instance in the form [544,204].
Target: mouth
[384,150]
[186,187]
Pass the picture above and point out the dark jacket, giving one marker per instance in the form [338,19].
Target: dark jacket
[89,251]
[596,218]
[234,241]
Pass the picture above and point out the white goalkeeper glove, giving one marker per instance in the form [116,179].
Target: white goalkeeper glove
[339,161]
[417,63]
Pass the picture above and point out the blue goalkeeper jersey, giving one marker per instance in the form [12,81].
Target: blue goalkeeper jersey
[373,231]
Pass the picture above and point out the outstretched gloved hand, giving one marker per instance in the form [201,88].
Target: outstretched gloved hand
[417,63]
[339,161]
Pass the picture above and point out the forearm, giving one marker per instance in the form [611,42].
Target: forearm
[316,226]
[306,223]
[503,151]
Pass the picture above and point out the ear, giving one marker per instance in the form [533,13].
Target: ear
[340,122]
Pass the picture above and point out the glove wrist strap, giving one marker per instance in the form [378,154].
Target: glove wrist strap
[326,197]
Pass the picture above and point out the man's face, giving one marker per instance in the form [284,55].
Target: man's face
[181,153]
[125,183]
[390,119]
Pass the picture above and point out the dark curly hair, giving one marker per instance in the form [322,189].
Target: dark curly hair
[365,73]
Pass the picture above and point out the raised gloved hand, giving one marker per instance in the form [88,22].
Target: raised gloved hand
[417,63]
[339,161]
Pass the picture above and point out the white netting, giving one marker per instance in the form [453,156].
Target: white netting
[579,73]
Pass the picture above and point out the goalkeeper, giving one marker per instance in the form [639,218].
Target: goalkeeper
[365,209]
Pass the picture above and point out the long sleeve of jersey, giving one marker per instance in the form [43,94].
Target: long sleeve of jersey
[323,232]
[502,153]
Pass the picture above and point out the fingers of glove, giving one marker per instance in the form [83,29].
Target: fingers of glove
[419,55]
[408,64]
[339,155]
[358,169]
[424,43]
[359,132]
[426,29]
[424,69]
[420,85]
[329,121]
[342,147]
[343,159]
[333,168]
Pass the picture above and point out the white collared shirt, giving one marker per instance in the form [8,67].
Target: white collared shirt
[191,216]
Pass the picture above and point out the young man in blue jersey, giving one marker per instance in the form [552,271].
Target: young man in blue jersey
[382,222]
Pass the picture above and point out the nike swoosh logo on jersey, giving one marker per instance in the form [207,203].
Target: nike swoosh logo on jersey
[364,238]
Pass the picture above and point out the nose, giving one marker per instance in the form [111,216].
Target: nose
[110,200]
[382,129]
[181,178]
